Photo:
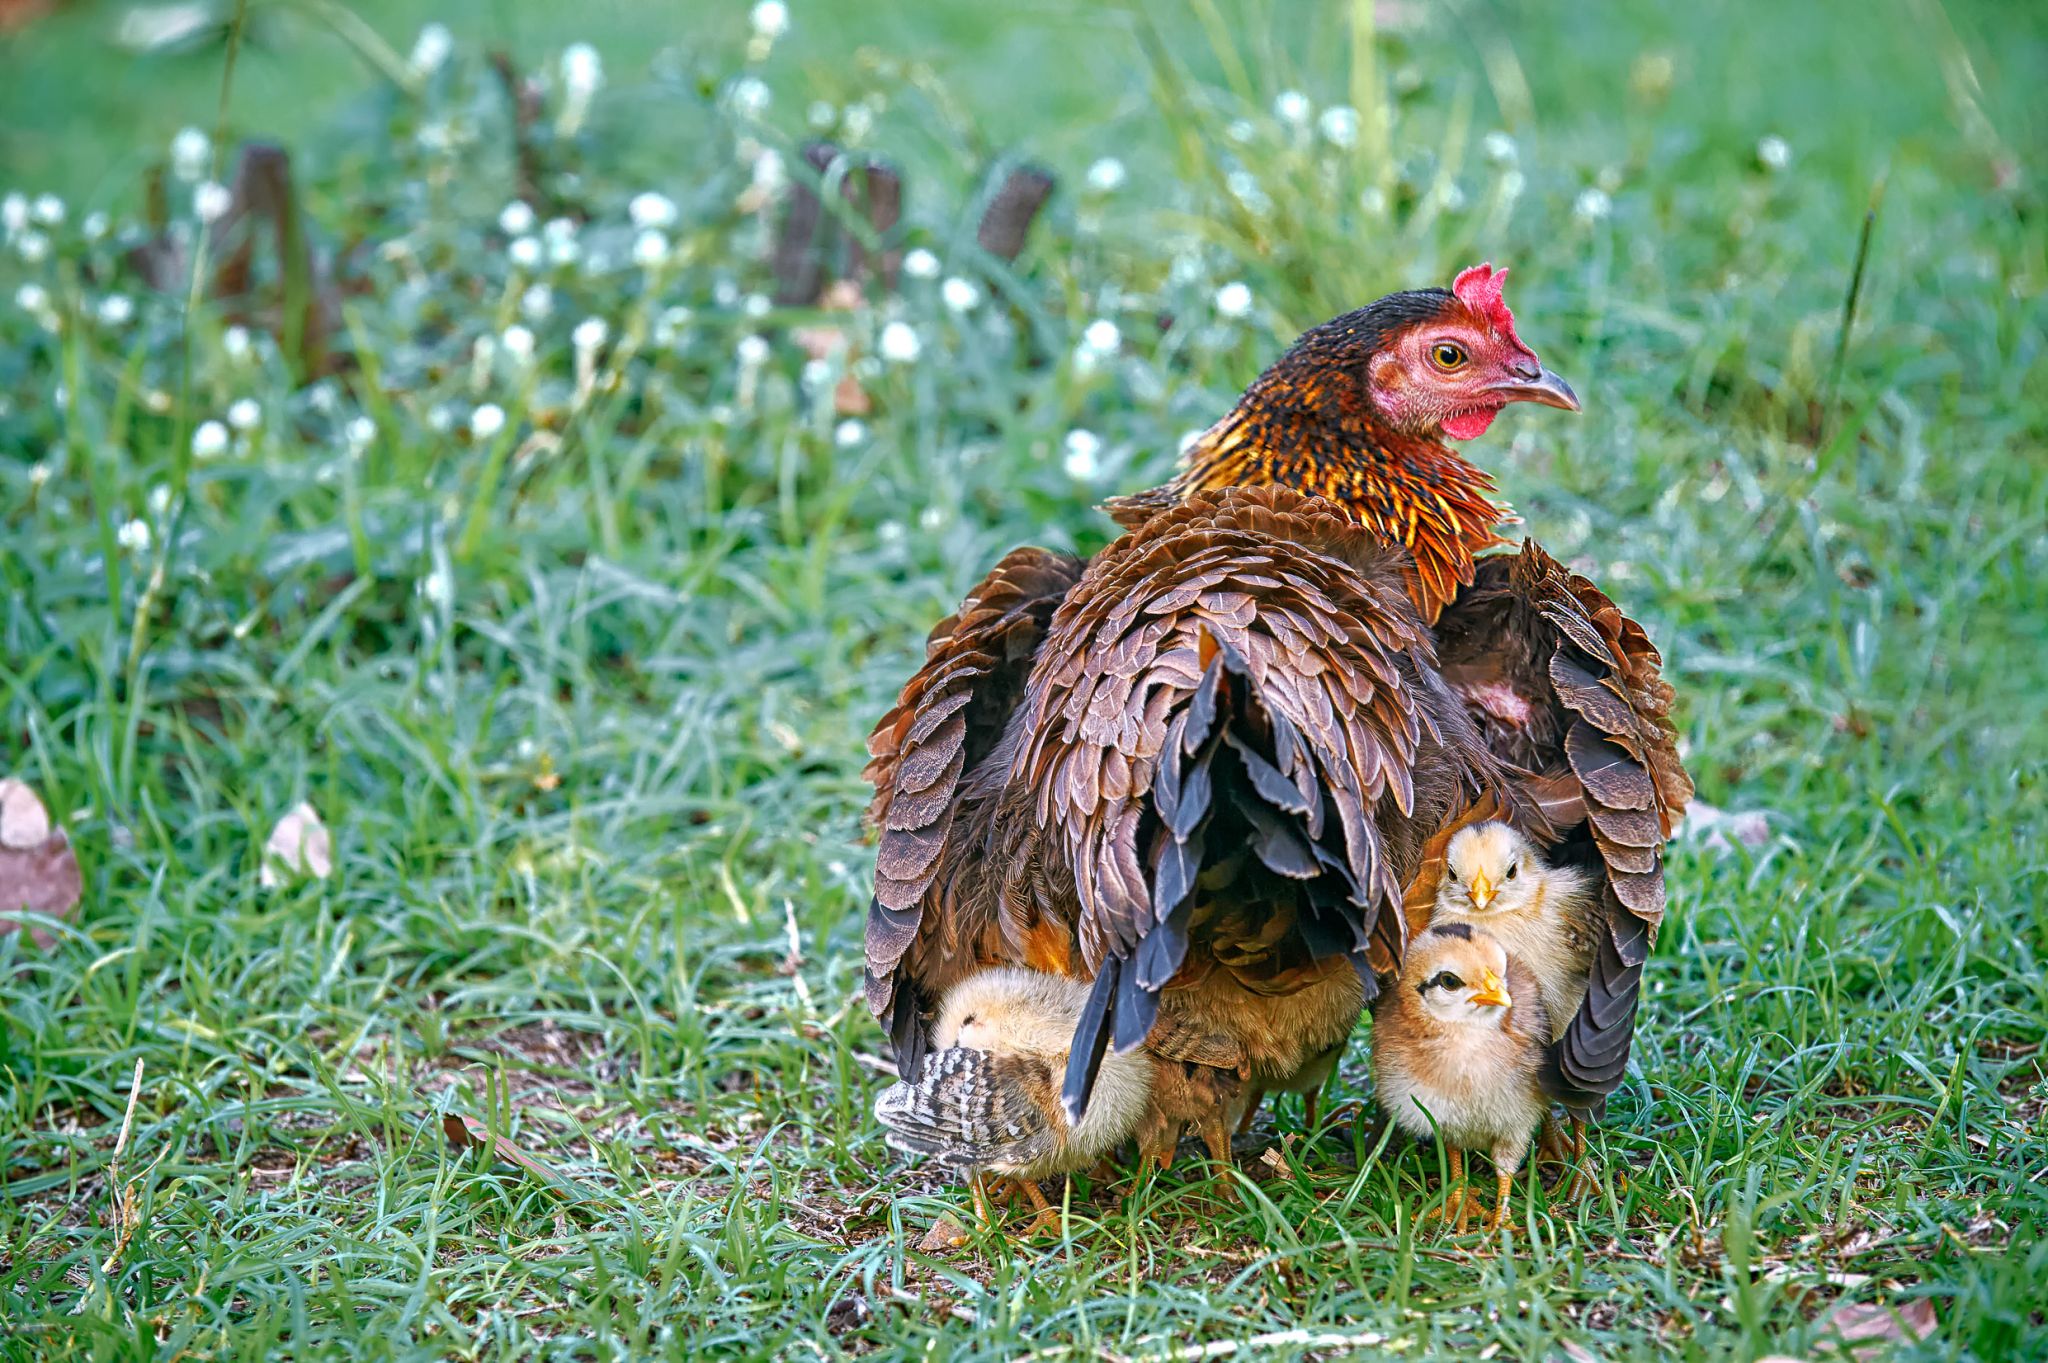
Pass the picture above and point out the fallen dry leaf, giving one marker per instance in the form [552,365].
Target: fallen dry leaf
[24,823]
[298,846]
[1869,1328]
[468,1133]
[946,1233]
[38,870]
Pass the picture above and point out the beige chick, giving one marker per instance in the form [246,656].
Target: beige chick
[1457,1051]
[987,1097]
[1497,881]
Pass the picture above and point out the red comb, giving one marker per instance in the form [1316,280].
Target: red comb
[1479,289]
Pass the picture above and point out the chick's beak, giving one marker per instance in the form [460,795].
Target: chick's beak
[1482,890]
[1492,991]
[1545,388]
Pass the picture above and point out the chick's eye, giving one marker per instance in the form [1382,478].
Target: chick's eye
[1448,355]
[1511,871]
[967,1021]
[1449,981]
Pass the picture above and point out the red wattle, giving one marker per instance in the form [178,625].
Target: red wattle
[1470,425]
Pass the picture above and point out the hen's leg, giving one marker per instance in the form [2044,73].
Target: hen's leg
[1309,1105]
[1251,1111]
[1580,1182]
[1215,1133]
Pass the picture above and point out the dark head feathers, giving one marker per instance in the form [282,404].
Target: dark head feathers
[1462,931]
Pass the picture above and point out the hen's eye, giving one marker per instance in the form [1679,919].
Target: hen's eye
[1447,355]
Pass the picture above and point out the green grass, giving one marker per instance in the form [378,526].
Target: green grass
[687,599]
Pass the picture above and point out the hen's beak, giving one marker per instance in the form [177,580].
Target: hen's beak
[1546,388]
[1482,890]
[1492,992]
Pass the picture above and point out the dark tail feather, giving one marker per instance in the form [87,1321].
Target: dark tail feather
[1137,1008]
[906,1029]
[1091,1039]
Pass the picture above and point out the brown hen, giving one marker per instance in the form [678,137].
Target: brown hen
[1203,768]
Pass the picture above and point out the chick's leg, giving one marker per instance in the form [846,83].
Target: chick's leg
[1505,1193]
[1049,1217]
[1458,1204]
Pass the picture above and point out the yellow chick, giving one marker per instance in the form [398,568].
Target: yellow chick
[987,1097]
[1497,881]
[1457,1051]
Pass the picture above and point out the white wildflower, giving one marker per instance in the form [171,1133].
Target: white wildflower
[487,420]
[900,343]
[32,246]
[1234,299]
[14,212]
[589,333]
[48,210]
[1107,175]
[1592,205]
[757,305]
[650,209]
[1102,336]
[298,846]
[1245,187]
[525,252]
[1339,125]
[95,225]
[430,50]
[752,351]
[516,219]
[133,536]
[849,432]
[159,499]
[669,327]
[890,533]
[959,294]
[931,518]
[518,343]
[236,343]
[821,115]
[857,122]
[769,172]
[358,434]
[582,71]
[650,248]
[1083,454]
[537,302]
[436,588]
[32,298]
[210,441]
[117,310]
[1292,106]
[245,414]
[770,18]
[1512,183]
[38,474]
[1500,148]
[191,154]
[1774,152]
[210,200]
[816,373]
[919,263]
[749,97]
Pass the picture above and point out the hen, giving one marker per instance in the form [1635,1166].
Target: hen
[1202,769]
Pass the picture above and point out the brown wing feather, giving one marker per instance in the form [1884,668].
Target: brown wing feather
[1569,688]
[1331,675]
[949,717]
